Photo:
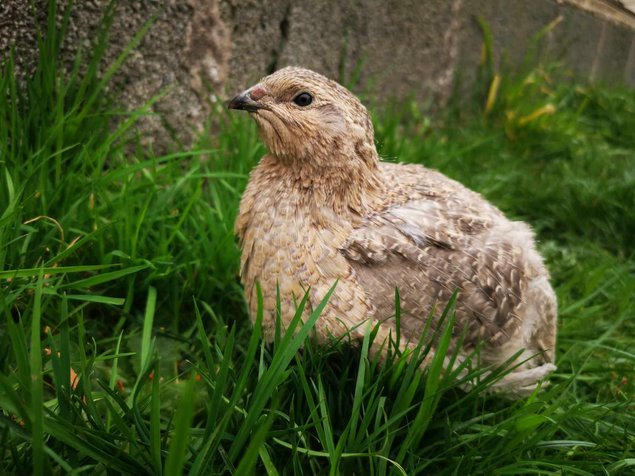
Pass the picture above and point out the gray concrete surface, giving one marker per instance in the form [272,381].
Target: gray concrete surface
[391,48]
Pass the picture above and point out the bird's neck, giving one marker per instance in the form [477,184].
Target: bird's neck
[345,184]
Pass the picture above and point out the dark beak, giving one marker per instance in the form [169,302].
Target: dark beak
[244,102]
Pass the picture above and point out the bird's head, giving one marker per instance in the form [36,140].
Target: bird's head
[306,118]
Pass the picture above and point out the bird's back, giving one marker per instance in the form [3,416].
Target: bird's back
[435,237]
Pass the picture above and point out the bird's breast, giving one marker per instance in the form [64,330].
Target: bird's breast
[289,247]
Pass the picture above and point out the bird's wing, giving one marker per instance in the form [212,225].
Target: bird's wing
[430,248]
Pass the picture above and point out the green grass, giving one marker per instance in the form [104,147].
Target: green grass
[126,347]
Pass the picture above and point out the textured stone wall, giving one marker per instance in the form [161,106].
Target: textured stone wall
[394,48]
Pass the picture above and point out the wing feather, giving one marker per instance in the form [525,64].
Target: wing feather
[428,249]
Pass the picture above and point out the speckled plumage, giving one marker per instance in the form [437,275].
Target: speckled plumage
[321,207]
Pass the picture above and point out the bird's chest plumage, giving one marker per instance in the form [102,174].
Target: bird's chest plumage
[285,246]
[271,246]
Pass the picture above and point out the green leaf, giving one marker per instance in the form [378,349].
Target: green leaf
[529,422]
[276,373]
[180,435]
[32,272]
[105,277]
[37,385]
[96,298]
[148,321]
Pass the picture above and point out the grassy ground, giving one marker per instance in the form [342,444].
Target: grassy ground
[126,347]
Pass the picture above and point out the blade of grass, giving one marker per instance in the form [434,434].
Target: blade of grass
[276,373]
[155,421]
[248,461]
[95,298]
[50,271]
[148,322]
[104,277]
[432,394]
[37,387]
[180,435]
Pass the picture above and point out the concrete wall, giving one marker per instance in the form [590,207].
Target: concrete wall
[398,47]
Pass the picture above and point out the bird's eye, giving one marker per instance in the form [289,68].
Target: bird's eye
[303,99]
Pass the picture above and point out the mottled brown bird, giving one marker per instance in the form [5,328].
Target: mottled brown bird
[320,207]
